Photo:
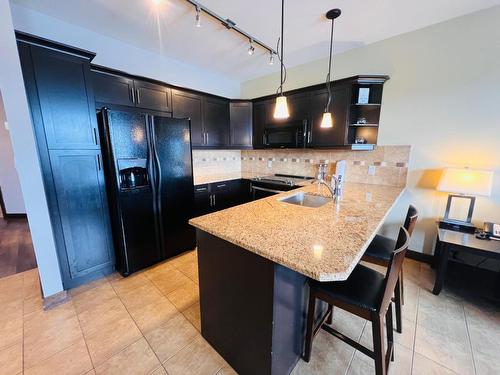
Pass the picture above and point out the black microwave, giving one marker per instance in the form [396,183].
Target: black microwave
[287,135]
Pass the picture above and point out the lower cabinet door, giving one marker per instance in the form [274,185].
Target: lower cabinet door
[83,210]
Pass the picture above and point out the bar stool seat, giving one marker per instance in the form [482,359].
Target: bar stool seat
[380,249]
[362,289]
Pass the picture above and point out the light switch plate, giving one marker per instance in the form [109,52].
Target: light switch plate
[371,170]
[269,163]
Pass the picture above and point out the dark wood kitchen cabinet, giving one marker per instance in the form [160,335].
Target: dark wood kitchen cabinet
[337,135]
[240,114]
[220,195]
[113,89]
[120,90]
[187,104]
[259,120]
[83,209]
[216,121]
[62,108]
[63,90]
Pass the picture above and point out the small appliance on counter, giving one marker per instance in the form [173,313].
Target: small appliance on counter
[491,231]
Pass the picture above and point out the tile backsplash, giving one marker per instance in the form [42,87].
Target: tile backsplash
[388,165]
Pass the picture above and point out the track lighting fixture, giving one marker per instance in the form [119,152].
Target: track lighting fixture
[198,17]
[230,25]
[271,58]
[251,48]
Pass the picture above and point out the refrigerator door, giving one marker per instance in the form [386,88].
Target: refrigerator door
[171,139]
[134,209]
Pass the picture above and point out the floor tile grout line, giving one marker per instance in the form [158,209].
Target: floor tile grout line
[469,340]
[144,336]
[365,323]
[415,331]
[84,339]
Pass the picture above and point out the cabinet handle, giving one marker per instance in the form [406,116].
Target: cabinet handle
[309,136]
[138,96]
[99,161]
[201,189]
[207,137]
[211,200]
[132,92]
[221,185]
[95,135]
[214,199]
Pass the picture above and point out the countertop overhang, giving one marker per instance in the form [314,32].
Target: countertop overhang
[323,243]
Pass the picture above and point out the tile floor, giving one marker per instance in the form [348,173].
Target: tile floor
[149,324]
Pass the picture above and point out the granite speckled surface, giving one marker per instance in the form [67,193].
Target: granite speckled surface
[219,177]
[323,243]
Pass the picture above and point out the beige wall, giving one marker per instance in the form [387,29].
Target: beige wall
[443,99]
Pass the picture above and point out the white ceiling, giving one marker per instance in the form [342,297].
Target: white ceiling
[212,47]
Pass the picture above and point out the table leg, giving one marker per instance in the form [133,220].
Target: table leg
[441,269]
[437,253]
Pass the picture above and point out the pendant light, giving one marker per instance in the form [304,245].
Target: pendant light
[281,106]
[327,120]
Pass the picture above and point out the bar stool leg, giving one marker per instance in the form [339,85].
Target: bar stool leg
[397,304]
[310,326]
[329,320]
[378,344]
[401,279]
[389,328]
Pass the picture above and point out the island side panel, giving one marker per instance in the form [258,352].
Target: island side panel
[236,302]
[291,295]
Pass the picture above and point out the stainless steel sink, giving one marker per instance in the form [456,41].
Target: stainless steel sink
[306,200]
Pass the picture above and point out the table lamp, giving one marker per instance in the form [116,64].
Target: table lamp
[464,184]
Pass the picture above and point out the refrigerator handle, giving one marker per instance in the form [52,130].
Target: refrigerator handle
[156,164]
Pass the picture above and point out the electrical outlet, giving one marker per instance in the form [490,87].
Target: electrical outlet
[371,170]
[269,163]
[6,124]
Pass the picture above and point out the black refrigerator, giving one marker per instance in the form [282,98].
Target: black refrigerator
[149,172]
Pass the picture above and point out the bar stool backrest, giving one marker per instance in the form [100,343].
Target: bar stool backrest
[394,269]
[411,219]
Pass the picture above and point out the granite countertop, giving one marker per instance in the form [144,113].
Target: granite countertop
[323,243]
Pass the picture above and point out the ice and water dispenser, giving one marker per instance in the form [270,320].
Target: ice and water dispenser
[133,173]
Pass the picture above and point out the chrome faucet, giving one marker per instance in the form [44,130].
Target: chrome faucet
[320,180]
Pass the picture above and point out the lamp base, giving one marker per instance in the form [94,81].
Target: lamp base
[458,226]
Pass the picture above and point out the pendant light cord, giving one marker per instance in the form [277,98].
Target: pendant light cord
[328,78]
[279,46]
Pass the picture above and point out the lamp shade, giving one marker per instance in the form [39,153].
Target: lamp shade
[466,181]
[281,108]
[327,120]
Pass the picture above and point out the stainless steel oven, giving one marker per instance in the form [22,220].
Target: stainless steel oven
[266,186]
[289,135]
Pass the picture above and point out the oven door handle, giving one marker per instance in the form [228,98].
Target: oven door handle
[268,190]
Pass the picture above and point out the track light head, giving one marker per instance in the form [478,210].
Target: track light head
[251,49]
[271,58]
[198,17]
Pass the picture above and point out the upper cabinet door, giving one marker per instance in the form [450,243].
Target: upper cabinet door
[216,121]
[66,99]
[189,105]
[111,89]
[153,96]
[328,137]
[260,117]
[240,114]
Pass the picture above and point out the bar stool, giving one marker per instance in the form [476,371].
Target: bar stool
[379,252]
[367,294]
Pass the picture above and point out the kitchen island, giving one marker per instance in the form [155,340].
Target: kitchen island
[254,261]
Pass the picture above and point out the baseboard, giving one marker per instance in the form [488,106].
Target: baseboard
[418,256]
[14,216]
[55,300]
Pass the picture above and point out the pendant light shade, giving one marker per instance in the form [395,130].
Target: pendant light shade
[327,120]
[281,107]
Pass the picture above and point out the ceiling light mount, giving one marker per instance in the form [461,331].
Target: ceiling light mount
[333,14]
[229,24]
